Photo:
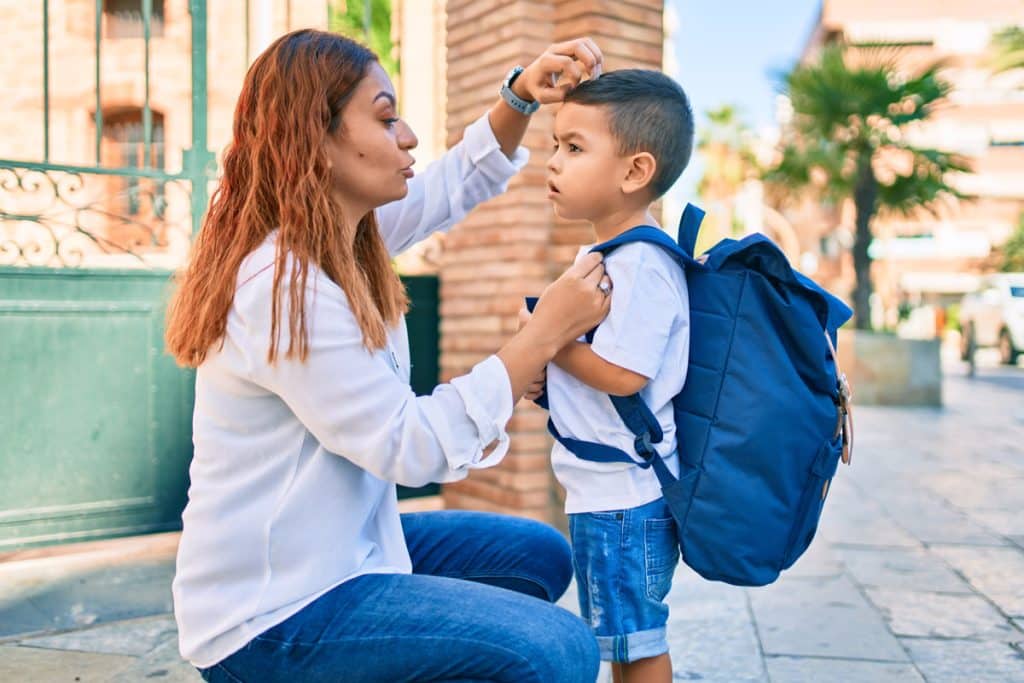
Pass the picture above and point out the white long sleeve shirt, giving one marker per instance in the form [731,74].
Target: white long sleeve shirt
[293,479]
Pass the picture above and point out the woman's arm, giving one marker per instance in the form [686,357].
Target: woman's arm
[481,164]
[355,405]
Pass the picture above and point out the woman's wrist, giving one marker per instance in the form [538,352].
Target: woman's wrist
[546,341]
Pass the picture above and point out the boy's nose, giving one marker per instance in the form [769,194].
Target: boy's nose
[552,166]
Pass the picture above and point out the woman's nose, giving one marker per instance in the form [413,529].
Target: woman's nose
[407,139]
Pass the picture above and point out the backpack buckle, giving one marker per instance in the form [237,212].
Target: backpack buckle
[845,416]
[643,446]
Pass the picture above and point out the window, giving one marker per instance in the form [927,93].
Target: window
[136,205]
[123,18]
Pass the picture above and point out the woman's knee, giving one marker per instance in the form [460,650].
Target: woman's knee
[548,557]
[567,652]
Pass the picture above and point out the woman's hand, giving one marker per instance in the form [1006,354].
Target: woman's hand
[575,302]
[558,70]
[571,305]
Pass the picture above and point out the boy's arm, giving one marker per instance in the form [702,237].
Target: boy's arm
[582,363]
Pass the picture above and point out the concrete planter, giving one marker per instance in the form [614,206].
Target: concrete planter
[888,370]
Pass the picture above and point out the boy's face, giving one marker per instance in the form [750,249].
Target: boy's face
[586,172]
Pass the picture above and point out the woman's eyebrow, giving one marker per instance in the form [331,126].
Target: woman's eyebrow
[385,94]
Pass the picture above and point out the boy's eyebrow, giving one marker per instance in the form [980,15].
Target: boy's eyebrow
[568,136]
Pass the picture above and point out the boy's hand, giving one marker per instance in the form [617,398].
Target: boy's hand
[524,316]
[536,387]
[569,61]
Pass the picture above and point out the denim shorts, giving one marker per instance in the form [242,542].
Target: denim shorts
[624,561]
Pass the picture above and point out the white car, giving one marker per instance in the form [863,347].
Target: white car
[994,316]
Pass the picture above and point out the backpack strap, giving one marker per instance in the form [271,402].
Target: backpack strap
[593,451]
[647,430]
[689,226]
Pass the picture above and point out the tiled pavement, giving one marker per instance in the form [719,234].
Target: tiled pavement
[917,574]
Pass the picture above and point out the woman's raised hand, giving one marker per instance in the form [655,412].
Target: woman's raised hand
[559,69]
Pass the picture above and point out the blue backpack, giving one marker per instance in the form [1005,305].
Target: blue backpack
[763,419]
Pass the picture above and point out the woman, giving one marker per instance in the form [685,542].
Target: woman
[294,563]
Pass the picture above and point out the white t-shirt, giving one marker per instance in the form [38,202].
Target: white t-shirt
[647,331]
[293,479]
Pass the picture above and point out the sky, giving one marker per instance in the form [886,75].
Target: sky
[730,52]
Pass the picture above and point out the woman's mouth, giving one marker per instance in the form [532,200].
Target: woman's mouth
[408,172]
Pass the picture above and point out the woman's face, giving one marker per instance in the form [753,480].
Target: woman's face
[369,152]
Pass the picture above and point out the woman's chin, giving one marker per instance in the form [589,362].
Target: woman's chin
[399,193]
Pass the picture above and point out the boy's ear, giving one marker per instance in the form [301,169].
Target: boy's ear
[639,173]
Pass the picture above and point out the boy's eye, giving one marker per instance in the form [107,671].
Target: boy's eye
[572,147]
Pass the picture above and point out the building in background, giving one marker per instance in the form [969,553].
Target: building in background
[931,260]
[93,113]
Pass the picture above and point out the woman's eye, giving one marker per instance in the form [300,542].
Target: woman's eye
[391,122]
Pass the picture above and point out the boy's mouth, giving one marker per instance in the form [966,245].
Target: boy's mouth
[552,189]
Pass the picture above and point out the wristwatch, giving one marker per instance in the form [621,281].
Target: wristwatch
[514,101]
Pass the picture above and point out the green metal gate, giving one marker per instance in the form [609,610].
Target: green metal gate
[95,418]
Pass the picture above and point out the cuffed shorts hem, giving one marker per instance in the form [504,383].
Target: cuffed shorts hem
[630,647]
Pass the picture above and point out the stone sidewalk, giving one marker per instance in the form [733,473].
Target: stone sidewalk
[917,573]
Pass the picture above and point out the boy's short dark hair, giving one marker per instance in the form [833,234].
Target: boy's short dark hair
[647,112]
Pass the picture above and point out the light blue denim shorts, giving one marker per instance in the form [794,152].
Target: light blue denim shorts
[624,561]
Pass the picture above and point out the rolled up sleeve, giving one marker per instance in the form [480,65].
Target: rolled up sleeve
[471,172]
[486,394]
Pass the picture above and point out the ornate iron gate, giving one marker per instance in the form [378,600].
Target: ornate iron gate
[95,432]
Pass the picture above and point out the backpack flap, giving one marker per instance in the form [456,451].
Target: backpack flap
[757,252]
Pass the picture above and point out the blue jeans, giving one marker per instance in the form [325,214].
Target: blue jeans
[477,607]
[624,561]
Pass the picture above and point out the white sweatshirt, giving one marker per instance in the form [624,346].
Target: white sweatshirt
[293,479]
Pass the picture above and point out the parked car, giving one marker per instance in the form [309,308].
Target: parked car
[994,316]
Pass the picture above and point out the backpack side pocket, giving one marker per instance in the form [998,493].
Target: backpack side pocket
[812,501]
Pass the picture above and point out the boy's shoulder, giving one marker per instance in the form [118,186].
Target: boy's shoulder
[645,255]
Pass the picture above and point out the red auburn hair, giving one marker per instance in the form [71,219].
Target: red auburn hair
[277,176]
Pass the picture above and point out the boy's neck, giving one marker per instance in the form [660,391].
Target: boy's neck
[614,224]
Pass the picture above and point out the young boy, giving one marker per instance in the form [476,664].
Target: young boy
[621,140]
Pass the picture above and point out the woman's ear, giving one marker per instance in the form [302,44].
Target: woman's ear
[639,173]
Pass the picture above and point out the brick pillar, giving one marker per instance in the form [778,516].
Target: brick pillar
[513,246]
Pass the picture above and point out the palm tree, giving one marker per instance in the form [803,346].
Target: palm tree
[726,147]
[847,139]
[1008,45]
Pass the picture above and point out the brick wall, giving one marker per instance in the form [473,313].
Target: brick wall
[513,245]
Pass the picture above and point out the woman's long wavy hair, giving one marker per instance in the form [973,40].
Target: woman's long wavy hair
[277,176]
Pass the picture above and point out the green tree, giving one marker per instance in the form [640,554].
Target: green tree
[368,21]
[1013,250]
[1008,46]
[726,145]
[847,139]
